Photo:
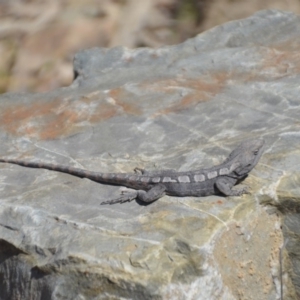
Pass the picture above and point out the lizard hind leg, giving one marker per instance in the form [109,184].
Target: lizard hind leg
[156,192]
[124,197]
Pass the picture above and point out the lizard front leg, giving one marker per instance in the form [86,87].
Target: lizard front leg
[156,192]
[225,185]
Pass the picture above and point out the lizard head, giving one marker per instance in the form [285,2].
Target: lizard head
[246,156]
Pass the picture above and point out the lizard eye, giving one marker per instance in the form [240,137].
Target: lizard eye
[255,152]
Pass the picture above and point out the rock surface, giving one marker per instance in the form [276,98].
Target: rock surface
[181,107]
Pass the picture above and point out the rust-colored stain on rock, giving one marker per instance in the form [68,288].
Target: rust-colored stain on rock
[60,117]
[281,63]
[20,118]
[57,117]
[129,108]
[201,90]
[39,119]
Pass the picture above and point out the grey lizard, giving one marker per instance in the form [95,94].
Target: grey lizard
[151,186]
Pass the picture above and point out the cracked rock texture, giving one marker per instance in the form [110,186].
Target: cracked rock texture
[181,107]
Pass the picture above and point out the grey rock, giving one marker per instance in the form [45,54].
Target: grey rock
[181,107]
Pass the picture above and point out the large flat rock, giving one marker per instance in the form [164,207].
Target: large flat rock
[181,107]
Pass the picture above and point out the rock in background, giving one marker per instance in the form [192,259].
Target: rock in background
[39,38]
[182,107]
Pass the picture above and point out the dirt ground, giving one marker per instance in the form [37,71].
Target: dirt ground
[38,38]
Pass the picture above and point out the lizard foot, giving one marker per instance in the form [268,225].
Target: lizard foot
[125,197]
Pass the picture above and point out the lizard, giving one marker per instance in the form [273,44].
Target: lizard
[150,186]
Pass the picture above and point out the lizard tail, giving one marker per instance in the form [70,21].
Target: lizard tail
[95,176]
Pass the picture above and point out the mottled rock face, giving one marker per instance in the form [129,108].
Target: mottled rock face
[181,107]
